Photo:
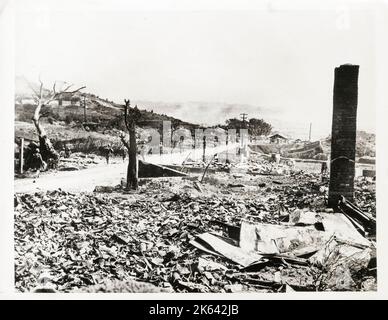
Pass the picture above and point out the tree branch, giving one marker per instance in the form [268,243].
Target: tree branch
[33,90]
[67,88]
[54,85]
[126,111]
[72,92]
[58,94]
[125,142]
[40,88]
[44,114]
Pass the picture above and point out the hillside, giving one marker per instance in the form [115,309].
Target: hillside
[88,130]
[100,114]
[103,117]
[365,144]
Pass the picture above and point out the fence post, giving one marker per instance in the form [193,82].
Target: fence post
[21,155]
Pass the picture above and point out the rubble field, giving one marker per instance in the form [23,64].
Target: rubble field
[234,232]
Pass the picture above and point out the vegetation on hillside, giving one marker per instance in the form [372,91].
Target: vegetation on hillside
[365,144]
[256,127]
[105,117]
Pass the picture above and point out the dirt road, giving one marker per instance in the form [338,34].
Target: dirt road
[101,175]
[75,181]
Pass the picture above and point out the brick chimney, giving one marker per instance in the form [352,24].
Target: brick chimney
[343,135]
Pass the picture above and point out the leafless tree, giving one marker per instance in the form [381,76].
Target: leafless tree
[43,98]
[131,117]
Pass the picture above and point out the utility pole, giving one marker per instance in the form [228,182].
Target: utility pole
[310,132]
[244,117]
[84,105]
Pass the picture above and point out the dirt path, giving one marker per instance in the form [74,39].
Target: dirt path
[75,181]
[101,175]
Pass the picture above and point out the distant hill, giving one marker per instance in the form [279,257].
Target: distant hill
[187,113]
[206,113]
[365,144]
[104,113]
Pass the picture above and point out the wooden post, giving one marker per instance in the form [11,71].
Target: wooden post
[343,136]
[21,155]
[204,149]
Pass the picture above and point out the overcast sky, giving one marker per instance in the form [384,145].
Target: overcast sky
[273,57]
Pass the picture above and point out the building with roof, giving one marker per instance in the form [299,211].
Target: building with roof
[278,138]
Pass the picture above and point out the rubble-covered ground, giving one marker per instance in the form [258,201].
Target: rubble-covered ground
[81,241]
[110,241]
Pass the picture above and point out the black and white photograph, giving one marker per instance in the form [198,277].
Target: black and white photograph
[212,149]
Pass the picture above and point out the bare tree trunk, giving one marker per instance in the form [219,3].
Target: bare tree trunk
[204,149]
[132,172]
[130,123]
[47,151]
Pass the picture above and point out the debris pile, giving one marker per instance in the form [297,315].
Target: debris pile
[365,193]
[78,161]
[260,164]
[181,239]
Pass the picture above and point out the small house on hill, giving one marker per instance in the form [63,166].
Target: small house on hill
[278,138]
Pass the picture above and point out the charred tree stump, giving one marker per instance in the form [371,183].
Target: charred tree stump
[132,172]
[131,116]
[204,149]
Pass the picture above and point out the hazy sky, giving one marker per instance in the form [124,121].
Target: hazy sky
[282,60]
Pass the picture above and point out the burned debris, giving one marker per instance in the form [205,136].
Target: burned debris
[183,240]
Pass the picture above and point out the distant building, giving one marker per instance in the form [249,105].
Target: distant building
[69,101]
[278,138]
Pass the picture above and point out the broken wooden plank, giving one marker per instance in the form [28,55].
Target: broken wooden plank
[151,170]
[232,231]
[213,243]
[351,210]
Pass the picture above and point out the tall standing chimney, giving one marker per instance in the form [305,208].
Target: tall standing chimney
[343,135]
